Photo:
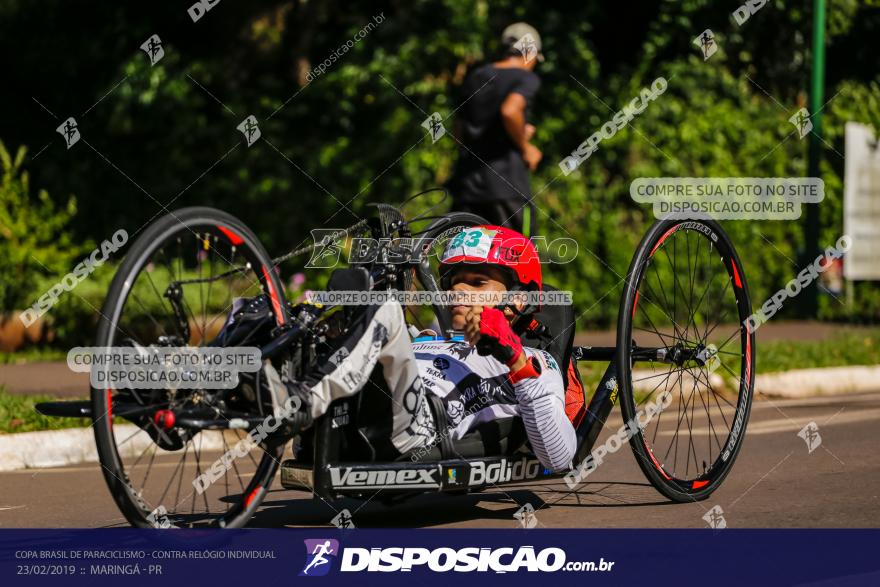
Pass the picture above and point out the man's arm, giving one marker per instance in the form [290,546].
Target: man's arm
[541,403]
[513,116]
[540,392]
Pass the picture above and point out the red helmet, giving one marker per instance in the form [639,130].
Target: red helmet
[494,245]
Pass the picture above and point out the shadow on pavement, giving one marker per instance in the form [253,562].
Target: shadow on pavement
[492,508]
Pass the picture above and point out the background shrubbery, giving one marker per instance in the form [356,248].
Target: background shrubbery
[35,237]
[351,134]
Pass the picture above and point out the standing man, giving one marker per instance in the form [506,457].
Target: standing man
[491,176]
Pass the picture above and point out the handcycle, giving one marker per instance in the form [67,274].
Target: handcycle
[682,318]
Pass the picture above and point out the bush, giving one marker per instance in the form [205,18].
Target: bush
[35,245]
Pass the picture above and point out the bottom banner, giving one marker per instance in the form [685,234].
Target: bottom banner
[429,557]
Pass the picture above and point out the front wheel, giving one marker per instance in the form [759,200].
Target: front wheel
[685,356]
[175,288]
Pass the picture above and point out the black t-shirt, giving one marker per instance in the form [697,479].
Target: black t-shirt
[490,166]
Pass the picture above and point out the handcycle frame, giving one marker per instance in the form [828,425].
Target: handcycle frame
[332,471]
[330,476]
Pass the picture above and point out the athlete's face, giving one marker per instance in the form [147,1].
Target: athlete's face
[484,279]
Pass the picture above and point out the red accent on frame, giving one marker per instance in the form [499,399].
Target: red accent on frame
[698,484]
[233,238]
[110,407]
[575,406]
[273,295]
[663,238]
[736,279]
[251,496]
[635,304]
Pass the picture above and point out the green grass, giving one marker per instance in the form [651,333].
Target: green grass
[851,347]
[17,414]
[33,355]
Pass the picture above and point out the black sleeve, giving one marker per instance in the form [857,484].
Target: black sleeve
[527,86]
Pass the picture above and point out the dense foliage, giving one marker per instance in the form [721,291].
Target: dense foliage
[165,135]
[35,240]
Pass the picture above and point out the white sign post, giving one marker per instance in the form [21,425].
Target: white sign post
[861,203]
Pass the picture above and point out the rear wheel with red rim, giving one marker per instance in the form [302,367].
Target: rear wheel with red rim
[686,377]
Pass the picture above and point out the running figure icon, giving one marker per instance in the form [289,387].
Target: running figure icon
[321,549]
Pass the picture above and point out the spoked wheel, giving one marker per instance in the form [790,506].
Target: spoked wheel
[176,287]
[688,373]
[431,242]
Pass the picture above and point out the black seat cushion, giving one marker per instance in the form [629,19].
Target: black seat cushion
[498,437]
[560,322]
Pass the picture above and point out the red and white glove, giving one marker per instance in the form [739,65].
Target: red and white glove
[497,337]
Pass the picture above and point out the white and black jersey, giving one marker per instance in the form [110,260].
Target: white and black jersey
[473,388]
[476,389]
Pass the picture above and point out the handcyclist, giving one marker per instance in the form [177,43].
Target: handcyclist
[485,375]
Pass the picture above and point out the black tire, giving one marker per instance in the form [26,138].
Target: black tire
[428,242]
[230,240]
[694,319]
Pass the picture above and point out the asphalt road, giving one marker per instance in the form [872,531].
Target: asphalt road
[776,482]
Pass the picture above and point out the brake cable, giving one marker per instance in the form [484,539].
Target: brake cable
[174,289]
[345,232]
